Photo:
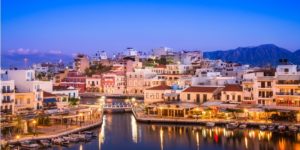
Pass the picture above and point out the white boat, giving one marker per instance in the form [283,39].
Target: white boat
[293,128]
[243,126]
[271,128]
[45,143]
[29,145]
[281,128]
[90,133]
[232,125]
[210,124]
[58,140]
[263,127]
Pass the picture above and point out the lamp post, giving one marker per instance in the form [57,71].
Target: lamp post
[34,123]
[80,118]
[18,137]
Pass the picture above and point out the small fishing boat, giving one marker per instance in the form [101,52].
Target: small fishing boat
[263,127]
[243,126]
[45,143]
[232,125]
[210,124]
[293,128]
[271,127]
[29,145]
[90,133]
[281,127]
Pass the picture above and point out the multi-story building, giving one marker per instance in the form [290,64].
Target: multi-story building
[76,80]
[25,102]
[25,82]
[287,86]
[162,93]
[81,62]
[93,84]
[136,80]
[7,96]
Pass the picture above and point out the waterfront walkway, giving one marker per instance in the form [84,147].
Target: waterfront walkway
[58,130]
[141,117]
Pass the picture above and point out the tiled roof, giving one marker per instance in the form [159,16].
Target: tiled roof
[233,87]
[161,87]
[202,89]
[47,94]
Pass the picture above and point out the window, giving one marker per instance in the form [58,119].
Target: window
[227,97]
[188,96]
[28,101]
[204,97]
[239,98]
[286,70]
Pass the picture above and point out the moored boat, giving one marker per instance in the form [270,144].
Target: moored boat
[293,128]
[210,124]
[271,127]
[232,125]
[29,145]
[263,127]
[243,126]
[281,127]
[45,143]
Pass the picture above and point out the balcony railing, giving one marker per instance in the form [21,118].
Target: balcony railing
[8,101]
[288,82]
[264,86]
[287,93]
[8,91]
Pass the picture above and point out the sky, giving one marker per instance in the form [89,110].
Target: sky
[71,26]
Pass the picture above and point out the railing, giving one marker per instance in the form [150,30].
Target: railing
[8,91]
[287,93]
[288,82]
[264,86]
[8,101]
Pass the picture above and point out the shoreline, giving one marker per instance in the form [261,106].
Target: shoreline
[202,122]
[83,128]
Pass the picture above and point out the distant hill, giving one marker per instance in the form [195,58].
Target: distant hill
[9,60]
[267,54]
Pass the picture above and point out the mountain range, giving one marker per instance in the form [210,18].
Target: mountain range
[262,55]
[17,58]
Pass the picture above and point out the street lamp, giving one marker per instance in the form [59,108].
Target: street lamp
[34,123]
[80,118]
[133,100]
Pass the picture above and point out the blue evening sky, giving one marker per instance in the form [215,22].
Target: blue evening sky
[88,25]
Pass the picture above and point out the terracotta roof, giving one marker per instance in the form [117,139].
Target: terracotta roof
[47,94]
[233,87]
[202,89]
[161,87]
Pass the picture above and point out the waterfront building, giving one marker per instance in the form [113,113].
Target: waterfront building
[81,62]
[113,83]
[258,86]
[232,93]
[287,86]
[200,94]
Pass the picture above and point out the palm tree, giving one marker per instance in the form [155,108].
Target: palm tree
[73,101]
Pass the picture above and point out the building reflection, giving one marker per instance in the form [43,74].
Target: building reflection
[134,129]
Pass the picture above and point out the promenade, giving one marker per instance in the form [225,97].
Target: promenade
[57,130]
[141,117]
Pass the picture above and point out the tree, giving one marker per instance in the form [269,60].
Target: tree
[97,68]
[73,101]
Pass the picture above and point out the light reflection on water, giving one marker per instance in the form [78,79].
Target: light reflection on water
[121,131]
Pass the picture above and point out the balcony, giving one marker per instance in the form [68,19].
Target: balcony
[287,93]
[288,82]
[8,91]
[265,87]
[7,101]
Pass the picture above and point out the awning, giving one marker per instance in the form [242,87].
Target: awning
[49,100]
